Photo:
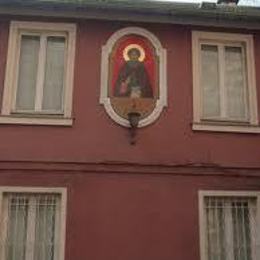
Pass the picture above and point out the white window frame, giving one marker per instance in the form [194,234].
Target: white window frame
[229,39]
[59,252]
[202,225]
[18,28]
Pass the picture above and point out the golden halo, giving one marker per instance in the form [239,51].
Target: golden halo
[133,46]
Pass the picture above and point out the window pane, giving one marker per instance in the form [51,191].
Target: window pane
[215,229]
[54,74]
[241,229]
[210,81]
[17,227]
[235,83]
[45,227]
[28,65]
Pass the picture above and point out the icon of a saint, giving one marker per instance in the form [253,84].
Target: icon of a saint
[133,79]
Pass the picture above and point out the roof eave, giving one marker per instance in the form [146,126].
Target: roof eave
[235,17]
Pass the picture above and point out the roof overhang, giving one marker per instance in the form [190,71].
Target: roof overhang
[138,11]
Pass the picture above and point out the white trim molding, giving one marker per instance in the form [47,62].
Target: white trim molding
[161,102]
[31,193]
[58,121]
[9,112]
[224,123]
[250,129]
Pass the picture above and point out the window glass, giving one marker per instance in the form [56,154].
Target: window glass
[28,66]
[210,81]
[235,82]
[17,226]
[54,74]
[241,227]
[45,227]
[216,225]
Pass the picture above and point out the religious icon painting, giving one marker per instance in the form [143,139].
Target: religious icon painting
[133,76]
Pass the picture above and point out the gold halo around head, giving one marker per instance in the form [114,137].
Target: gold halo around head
[133,46]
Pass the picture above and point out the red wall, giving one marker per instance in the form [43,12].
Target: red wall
[130,216]
[121,212]
[169,140]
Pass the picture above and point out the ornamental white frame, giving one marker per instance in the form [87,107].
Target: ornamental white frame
[12,66]
[223,193]
[160,52]
[59,251]
[252,126]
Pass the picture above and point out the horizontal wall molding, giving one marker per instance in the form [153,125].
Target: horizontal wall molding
[185,169]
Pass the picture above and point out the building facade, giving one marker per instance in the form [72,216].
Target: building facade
[71,184]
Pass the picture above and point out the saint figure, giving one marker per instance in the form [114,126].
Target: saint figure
[133,79]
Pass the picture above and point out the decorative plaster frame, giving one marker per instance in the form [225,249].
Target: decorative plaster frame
[160,52]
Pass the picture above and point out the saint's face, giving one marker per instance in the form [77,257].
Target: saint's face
[134,55]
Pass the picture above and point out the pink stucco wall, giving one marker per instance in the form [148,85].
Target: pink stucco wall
[169,140]
[117,210]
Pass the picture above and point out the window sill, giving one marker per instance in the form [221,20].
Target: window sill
[253,129]
[13,120]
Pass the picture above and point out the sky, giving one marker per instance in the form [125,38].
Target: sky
[241,2]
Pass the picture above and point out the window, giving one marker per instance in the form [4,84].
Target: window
[32,224]
[228,225]
[224,82]
[39,73]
